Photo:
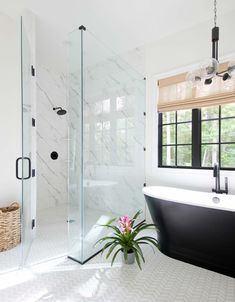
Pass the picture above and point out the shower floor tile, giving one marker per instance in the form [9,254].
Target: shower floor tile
[52,240]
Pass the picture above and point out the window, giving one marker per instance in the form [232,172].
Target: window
[197,138]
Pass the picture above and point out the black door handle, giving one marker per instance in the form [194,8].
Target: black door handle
[29,175]
[17,168]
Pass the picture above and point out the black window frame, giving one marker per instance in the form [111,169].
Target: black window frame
[196,140]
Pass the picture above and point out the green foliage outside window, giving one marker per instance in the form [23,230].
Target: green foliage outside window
[217,137]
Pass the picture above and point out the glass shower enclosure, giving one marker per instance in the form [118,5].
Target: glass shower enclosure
[18,138]
[106,99]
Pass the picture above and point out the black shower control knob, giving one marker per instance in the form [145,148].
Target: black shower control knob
[54,155]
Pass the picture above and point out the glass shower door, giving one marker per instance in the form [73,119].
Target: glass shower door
[106,99]
[26,108]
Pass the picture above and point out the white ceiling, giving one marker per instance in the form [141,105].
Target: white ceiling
[122,24]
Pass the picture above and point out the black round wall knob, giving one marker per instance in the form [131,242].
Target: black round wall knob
[54,155]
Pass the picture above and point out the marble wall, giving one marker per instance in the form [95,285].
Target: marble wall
[113,135]
[51,136]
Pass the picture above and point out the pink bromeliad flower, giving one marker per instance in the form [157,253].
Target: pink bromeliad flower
[125,224]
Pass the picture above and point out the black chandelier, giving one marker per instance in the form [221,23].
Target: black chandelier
[210,68]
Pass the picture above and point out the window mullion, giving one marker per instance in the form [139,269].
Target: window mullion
[196,138]
[219,136]
[160,139]
[176,139]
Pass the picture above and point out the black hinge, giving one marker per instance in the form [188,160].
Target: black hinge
[144,113]
[32,71]
[33,172]
[145,184]
[144,149]
[33,122]
[33,224]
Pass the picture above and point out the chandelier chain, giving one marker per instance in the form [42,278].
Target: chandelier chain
[215,12]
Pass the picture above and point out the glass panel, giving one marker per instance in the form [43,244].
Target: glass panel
[210,132]
[75,192]
[210,112]
[27,235]
[228,130]
[110,183]
[184,156]
[168,156]
[228,155]
[168,117]
[210,155]
[10,135]
[184,133]
[184,115]
[168,134]
[228,110]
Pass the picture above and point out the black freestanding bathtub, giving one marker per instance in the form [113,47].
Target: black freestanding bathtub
[195,227]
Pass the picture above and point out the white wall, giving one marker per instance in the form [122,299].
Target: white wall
[166,57]
[10,113]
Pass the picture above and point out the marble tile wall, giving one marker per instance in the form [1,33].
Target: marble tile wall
[111,185]
[51,136]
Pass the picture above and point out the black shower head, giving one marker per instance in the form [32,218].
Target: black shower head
[60,110]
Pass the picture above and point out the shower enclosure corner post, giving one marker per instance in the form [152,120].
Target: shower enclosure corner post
[76,145]
[82,28]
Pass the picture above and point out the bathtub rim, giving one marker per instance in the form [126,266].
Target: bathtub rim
[227,202]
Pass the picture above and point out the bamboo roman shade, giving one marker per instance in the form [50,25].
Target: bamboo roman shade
[176,94]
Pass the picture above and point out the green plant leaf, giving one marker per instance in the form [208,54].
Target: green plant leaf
[146,243]
[111,249]
[116,229]
[106,238]
[141,228]
[136,246]
[125,254]
[138,225]
[115,255]
[149,239]
[108,244]
[137,259]
[135,217]
[144,225]
[111,221]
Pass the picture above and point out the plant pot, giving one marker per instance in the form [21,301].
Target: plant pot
[130,258]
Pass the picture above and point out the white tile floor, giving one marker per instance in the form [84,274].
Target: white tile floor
[46,245]
[162,279]
[51,240]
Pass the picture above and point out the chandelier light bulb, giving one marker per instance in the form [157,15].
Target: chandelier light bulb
[193,78]
[209,68]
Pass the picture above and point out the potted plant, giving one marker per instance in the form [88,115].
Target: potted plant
[125,239]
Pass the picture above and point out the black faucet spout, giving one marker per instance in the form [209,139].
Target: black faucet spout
[216,174]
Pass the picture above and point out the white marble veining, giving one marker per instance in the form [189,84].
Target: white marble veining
[51,136]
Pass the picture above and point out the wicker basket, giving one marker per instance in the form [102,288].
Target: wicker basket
[9,226]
